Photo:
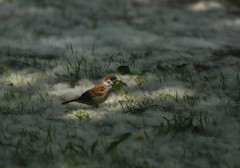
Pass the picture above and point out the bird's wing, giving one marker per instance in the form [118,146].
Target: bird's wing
[97,91]
[86,96]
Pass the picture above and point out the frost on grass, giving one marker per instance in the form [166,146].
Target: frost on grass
[177,104]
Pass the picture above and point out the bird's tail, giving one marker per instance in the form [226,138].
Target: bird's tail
[66,102]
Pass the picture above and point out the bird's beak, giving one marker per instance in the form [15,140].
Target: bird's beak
[115,81]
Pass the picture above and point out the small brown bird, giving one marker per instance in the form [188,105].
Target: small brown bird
[97,94]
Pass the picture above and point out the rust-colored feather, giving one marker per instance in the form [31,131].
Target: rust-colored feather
[112,77]
[98,89]
[96,95]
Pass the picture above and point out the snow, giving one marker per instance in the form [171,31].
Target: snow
[184,60]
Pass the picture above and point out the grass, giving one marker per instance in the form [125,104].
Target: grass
[191,100]
[174,97]
[82,115]
[115,143]
[135,106]
[223,81]
[75,65]
[93,17]
[78,153]
[79,67]
[186,121]
[18,103]
[105,139]
[42,3]
[238,80]
[142,125]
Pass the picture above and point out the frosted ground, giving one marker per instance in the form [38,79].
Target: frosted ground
[178,102]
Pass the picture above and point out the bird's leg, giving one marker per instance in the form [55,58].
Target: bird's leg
[97,106]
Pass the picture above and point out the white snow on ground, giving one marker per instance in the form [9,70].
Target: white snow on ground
[179,108]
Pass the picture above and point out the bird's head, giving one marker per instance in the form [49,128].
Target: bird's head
[110,80]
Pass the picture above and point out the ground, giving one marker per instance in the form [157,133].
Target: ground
[178,101]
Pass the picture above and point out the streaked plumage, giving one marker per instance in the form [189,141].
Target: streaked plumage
[98,94]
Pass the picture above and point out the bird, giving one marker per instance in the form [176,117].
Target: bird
[98,94]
